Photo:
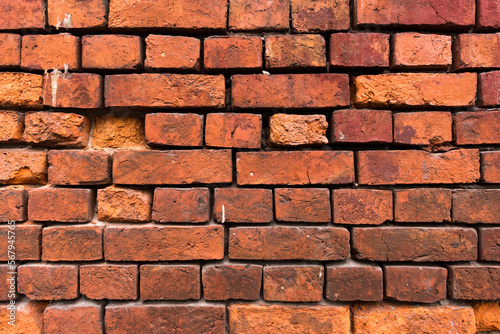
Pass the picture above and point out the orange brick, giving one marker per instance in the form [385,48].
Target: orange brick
[316,16]
[47,52]
[72,243]
[11,126]
[21,90]
[477,127]
[476,51]
[425,205]
[490,166]
[124,205]
[488,14]
[78,317]
[10,47]
[174,129]
[233,130]
[48,282]
[487,316]
[72,14]
[364,50]
[72,167]
[489,93]
[109,281]
[119,132]
[293,284]
[295,51]
[362,126]
[297,130]
[21,14]
[173,52]
[259,15]
[421,50]
[476,206]
[422,128]
[415,89]
[23,166]
[72,90]
[302,205]
[362,206]
[111,52]
[290,91]
[233,52]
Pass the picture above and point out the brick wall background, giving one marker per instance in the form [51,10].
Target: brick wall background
[250,166]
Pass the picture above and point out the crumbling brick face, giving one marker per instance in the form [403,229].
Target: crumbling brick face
[250,166]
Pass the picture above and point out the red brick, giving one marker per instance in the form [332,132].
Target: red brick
[174,129]
[295,168]
[259,15]
[60,205]
[111,52]
[156,319]
[424,205]
[415,90]
[487,316]
[71,167]
[82,317]
[173,52]
[164,90]
[8,290]
[354,282]
[28,239]
[288,243]
[28,315]
[489,244]
[477,127]
[117,204]
[47,282]
[10,47]
[362,206]
[422,128]
[418,244]
[72,90]
[476,51]
[223,282]
[165,243]
[291,319]
[20,166]
[103,281]
[359,50]
[489,92]
[383,317]
[160,282]
[72,14]
[181,205]
[13,205]
[303,205]
[293,284]
[362,126]
[295,51]
[21,90]
[57,129]
[413,167]
[206,15]
[323,90]
[490,166]
[415,284]
[233,52]
[426,51]
[172,167]
[22,14]
[319,16]
[297,130]
[72,243]
[425,13]
[239,205]
[11,126]
[233,130]
[476,282]
[488,14]
[476,206]
[118,132]
[47,52]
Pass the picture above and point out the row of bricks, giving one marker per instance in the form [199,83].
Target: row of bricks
[247,15]
[208,166]
[359,318]
[283,283]
[124,52]
[240,205]
[294,91]
[240,130]
[271,243]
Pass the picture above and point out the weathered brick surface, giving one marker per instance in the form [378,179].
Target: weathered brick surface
[223,282]
[46,52]
[362,206]
[423,128]
[109,281]
[481,206]
[60,205]
[489,244]
[474,282]
[181,205]
[293,284]
[27,242]
[111,52]
[318,16]
[302,205]
[83,317]
[479,127]
[425,205]
[297,130]
[10,46]
[21,90]
[259,15]
[295,51]
[73,90]
[71,167]
[13,205]
[118,204]
[476,51]
[11,126]
[361,126]
[29,317]
[359,50]
[72,243]
[24,14]
[233,52]
[354,283]
[488,14]
[489,88]
[71,14]
[233,130]
[487,316]
[416,50]
[48,282]
[174,129]
[172,52]
[23,166]
[118,132]
[243,205]
[159,282]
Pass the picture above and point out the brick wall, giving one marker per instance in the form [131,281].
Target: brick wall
[250,166]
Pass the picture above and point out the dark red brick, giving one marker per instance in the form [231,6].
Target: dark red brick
[354,282]
[231,281]
[359,50]
[82,317]
[174,129]
[181,205]
[259,15]
[488,14]
[477,127]
[477,282]
[79,167]
[418,244]
[233,130]
[415,284]
[48,282]
[476,206]
[109,281]
[489,88]
[289,243]
[362,126]
[159,282]
[13,204]
[424,205]
[237,205]
[27,242]
[233,52]
[362,206]
[293,284]
[72,243]
[60,205]
[489,244]
[303,205]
